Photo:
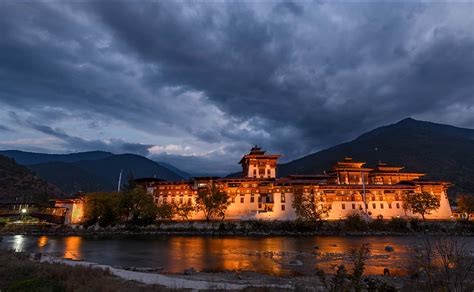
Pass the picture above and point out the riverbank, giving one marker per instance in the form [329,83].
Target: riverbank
[398,227]
[23,272]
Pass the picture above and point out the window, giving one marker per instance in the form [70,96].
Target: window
[242,200]
[252,199]
[353,206]
[381,205]
[374,206]
[390,205]
[259,205]
[283,207]
[398,205]
[283,198]
[343,206]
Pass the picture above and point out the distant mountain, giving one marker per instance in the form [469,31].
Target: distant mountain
[72,178]
[176,170]
[443,152]
[19,184]
[29,158]
[92,171]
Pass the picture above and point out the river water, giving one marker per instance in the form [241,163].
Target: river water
[271,255]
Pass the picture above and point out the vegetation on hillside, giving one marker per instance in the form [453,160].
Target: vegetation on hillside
[19,184]
[443,152]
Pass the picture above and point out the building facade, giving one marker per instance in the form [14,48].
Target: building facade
[346,188]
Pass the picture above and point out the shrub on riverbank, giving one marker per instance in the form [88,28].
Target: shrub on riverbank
[354,226]
[19,273]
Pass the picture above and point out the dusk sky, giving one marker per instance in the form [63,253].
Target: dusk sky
[196,84]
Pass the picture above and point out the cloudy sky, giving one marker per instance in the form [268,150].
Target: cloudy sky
[197,83]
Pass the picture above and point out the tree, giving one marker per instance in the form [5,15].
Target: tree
[101,207]
[212,201]
[421,203]
[308,207]
[165,211]
[131,183]
[184,210]
[137,206]
[466,204]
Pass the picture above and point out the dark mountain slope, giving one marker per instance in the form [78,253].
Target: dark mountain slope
[71,178]
[91,171]
[19,184]
[140,166]
[28,158]
[443,152]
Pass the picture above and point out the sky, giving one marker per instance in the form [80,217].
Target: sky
[196,84]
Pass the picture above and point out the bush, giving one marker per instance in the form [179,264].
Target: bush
[415,224]
[398,225]
[355,222]
[377,224]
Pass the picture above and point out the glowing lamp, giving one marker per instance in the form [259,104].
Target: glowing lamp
[23,210]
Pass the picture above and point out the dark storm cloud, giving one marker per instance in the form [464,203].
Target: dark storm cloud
[292,76]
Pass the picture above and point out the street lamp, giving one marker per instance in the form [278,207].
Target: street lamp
[23,211]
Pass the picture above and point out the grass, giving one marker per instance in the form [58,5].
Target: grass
[19,273]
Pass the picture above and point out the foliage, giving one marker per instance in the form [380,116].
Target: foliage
[165,211]
[184,210]
[443,264]
[466,204]
[19,273]
[101,208]
[421,203]
[212,201]
[136,206]
[398,224]
[354,280]
[308,207]
[356,221]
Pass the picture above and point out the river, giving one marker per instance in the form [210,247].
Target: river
[270,255]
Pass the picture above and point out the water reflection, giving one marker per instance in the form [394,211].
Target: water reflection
[42,241]
[18,241]
[72,249]
[271,255]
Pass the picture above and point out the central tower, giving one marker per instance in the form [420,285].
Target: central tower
[257,164]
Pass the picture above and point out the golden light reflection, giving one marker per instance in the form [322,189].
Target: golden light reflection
[72,248]
[42,241]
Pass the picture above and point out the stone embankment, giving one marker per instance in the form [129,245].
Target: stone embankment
[253,228]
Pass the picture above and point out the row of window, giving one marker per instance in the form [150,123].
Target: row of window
[374,206]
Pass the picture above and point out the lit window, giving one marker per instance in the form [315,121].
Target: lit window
[283,198]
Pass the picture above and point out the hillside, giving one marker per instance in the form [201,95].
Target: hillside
[29,158]
[443,152]
[19,184]
[93,170]
[71,178]
[100,174]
